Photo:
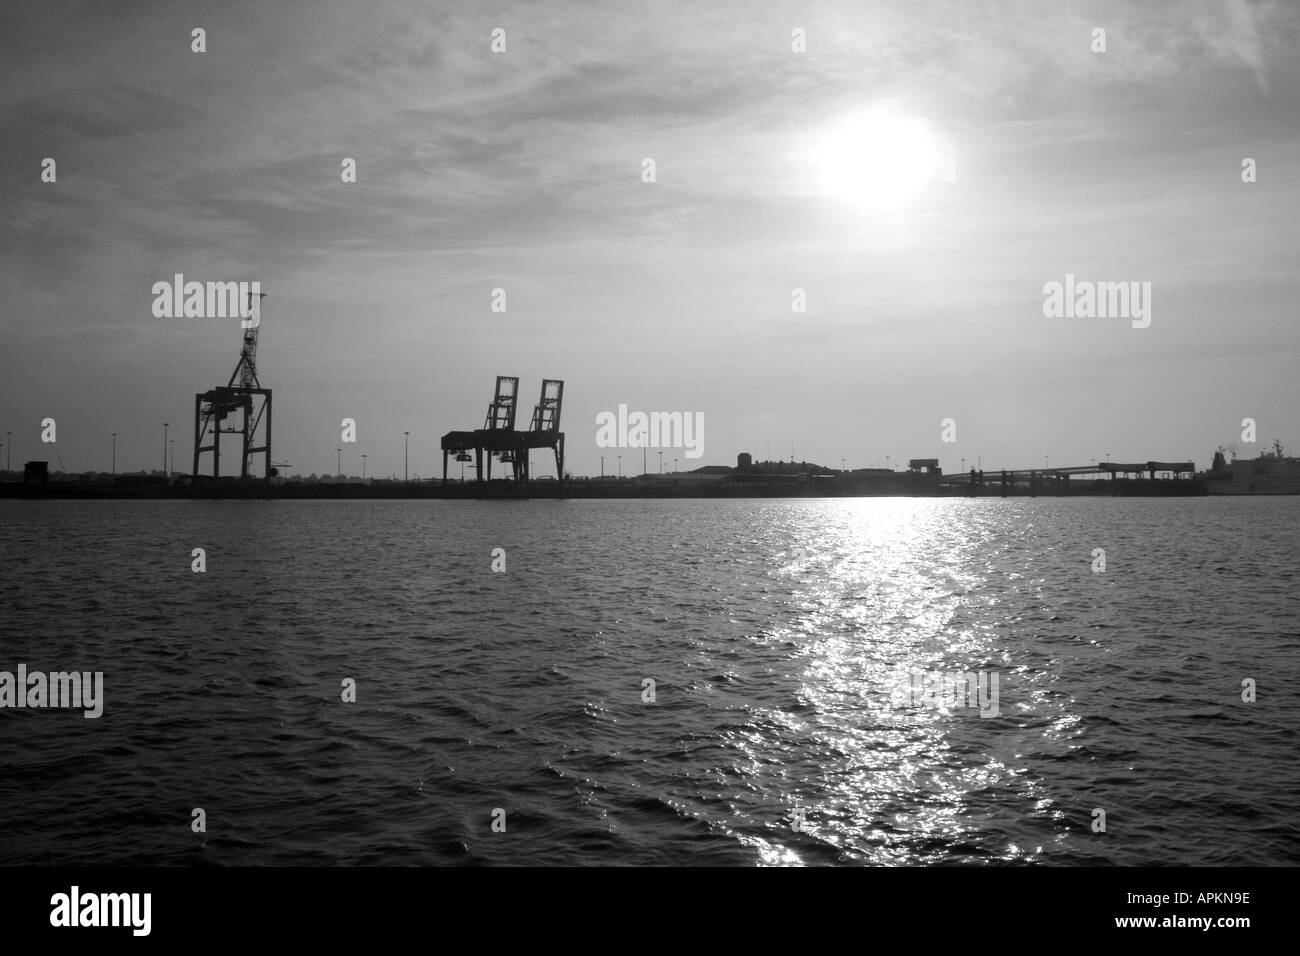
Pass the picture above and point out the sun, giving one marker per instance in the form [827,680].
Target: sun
[877,159]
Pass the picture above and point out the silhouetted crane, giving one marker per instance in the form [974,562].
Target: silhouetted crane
[499,437]
[213,407]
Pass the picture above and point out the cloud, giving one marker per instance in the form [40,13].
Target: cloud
[522,170]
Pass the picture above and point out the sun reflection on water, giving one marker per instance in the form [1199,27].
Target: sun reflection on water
[897,586]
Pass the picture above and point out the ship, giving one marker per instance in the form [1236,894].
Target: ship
[1272,473]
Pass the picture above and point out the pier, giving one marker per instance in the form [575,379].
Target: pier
[1119,478]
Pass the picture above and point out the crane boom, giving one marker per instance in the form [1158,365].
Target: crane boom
[246,368]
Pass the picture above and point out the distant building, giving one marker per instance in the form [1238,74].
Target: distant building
[36,473]
[744,460]
[702,475]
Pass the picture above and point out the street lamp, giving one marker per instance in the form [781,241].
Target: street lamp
[406,455]
[172,464]
[165,427]
[620,466]
[674,466]
[363,467]
[963,464]
[339,471]
[979,462]
[115,453]
[842,468]
[661,462]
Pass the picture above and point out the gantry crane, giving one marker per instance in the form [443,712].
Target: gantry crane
[499,437]
[213,407]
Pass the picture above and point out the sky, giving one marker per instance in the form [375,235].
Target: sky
[999,150]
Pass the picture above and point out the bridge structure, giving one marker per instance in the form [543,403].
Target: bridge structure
[1056,481]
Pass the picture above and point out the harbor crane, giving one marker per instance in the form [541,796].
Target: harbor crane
[242,399]
[499,437]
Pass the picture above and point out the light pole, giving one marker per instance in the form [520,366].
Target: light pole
[339,470]
[620,466]
[661,462]
[9,455]
[602,467]
[363,467]
[171,465]
[165,427]
[979,462]
[115,453]
[886,462]
[963,464]
[406,456]
[1047,461]
[674,466]
[842,468]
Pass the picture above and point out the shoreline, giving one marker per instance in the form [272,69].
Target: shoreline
[582,489]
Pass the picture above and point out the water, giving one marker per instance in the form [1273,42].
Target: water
[775,631]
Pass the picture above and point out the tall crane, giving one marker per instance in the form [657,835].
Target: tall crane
[243,393]
[499,437]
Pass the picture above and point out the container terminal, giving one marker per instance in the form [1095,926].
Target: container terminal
[241,410]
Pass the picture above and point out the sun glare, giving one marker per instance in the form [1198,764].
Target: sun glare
[877,159]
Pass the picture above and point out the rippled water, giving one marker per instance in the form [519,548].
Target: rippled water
[778,634]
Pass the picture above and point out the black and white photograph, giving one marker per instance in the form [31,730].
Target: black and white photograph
[685,438]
